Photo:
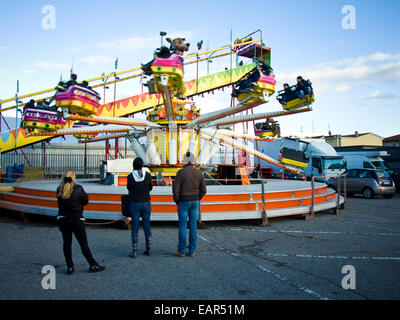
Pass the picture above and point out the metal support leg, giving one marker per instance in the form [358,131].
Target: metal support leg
[264,221]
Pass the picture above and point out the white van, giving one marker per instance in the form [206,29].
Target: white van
[364,162]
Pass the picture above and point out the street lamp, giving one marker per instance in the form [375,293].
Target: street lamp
[162,34]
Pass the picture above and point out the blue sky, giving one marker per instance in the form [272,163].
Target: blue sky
[355,73]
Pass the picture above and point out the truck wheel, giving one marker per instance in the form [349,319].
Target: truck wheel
[368,193]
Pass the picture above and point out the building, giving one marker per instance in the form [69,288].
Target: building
[393,141]
[356,139]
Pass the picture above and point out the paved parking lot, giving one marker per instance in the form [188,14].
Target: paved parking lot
[290,259]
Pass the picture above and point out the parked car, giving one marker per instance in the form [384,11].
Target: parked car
[395,174]
[368,182]
[288,175]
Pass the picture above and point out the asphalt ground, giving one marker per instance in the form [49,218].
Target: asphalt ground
[292,258]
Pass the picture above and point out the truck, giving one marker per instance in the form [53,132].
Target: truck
[314,156]
[364,159]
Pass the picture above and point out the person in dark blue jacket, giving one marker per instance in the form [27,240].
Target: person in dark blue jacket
[303,87]
[71,198]
[139,186]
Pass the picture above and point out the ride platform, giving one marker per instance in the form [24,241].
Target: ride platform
[222,202]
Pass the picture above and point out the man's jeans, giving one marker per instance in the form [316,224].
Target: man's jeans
[303,94]
[188,209]
[137,210]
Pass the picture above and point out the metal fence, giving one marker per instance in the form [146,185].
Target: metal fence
[55,163]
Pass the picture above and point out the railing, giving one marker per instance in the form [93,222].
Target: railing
[55,163]
[338,189]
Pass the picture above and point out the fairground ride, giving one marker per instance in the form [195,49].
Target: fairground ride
[174,124]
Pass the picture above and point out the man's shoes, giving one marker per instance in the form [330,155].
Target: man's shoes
[178,254]
[191,254]
[96,268]
[70,270]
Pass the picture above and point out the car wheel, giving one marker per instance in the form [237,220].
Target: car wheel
[387,196]
[368,193]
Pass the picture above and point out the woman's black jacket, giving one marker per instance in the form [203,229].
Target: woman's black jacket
[72,208]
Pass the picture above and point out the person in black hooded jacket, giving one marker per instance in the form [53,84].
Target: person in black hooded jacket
[139,186]
[71,198]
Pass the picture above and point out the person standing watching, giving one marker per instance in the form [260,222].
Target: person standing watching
[71,198]
[139,186]
[188,189]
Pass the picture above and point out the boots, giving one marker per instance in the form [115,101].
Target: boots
[148,246]
[134,248]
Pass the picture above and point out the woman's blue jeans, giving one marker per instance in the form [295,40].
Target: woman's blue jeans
[137,210]
[188,210]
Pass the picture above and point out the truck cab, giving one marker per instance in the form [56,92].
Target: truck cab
[319,158]
[325,166]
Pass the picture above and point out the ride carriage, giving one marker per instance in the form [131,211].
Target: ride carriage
[267,129]
[78,100]
[171,66]
[157,114]
[260,82]
[266,83]
[167,62]
[293,157]
[86,136]
[292,100]
[181,114]
[42,118]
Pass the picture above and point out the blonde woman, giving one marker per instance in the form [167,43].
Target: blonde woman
[71,198]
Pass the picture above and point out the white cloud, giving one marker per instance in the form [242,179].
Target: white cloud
[48,65]
[3,47]
[27,71]
[96,60]
[375,94]
[376,98]
[341,75]
[373,57]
